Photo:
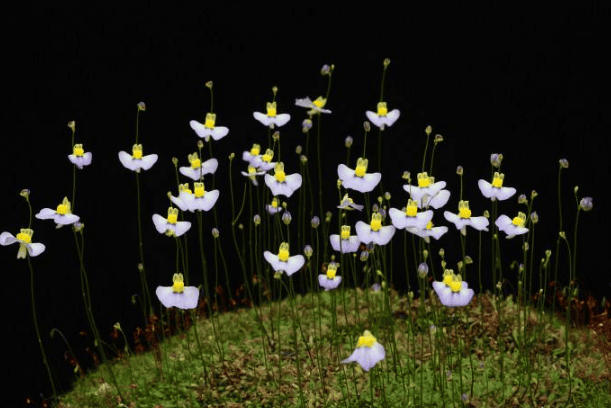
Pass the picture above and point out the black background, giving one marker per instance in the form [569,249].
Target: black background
[523,82]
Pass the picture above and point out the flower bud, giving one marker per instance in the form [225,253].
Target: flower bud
[576,189]
[209,84]
[367,126]
[522,199]
[308,251]
[141,106]
[175,161]
[438,138]
[525,246]
[425,254]
[428,130]
[200,144]
[306,125]
[278,275]
[72,125]
[78,226]
[423,269]
[286,218]
[328,216]
[275,89]
[240,226]
[586,203]
[406,176]
[459,170]
[460,265]
[533,194]
[380,200]
[496,160]
[348,141]
[468,260]
[442,252]
[386,62]
[315,221]
[298,149]
[562,234]
[231,155]
[325,70]
[486,214]
[375,208]
[534,217]
[215,232]
[387,196]
[564,163]
[276,135]
[256,219]
[364,256]
[303,159]
[140,267]
[548,253]
[25,193]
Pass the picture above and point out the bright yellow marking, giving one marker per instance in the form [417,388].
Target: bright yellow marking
[412,208]
[255,150]
[179,284]
[463,210]
[519,220]
[429,225]
[319,102]
[448,277]
[424,180]
[172,215]
[345,233]
[376,221]
[497,180]
[331,270]
[268,156]
[456,284]
[366,340]
[62,209]
[275,203]
[361,167]
[283,253]
[184,188]
[199,189]
[137,151]
[252,170]
[271,109]
[279,172]
[25,235]
[78,150]
[210,120]
[382,109]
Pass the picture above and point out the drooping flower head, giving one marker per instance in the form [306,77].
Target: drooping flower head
[512,227]
[24,238]
[171,226]
[464,218]
[410,217]
[495,190]
[374,232]
[62,215]
[284,262]
[348,204]
[428,231]
[330,281]
[79,157]
[358,179]
[272,118]
[274,207]
[197,169]
[178,295]
[280,183]
[136,161]
[209,128]
[453,291]
[315,107]
[383,117]
[344,242]
[368,352]
[252,174]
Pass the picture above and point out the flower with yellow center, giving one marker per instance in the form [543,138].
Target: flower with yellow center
[264,162]
[495,190]
[274,207]
[280,183]
[428,231]
[252,174]
[178,295]
[252,155]
[196,169]
[374,232]
[368,352]
[185,197]
[330,281]
[171,226]
[512,227]
[344,242]
[464,218]
[209,128]
[358,179]
[273,118]
[428,190]
[409,217]
[136,161]
[24,239]
[383,117]
[79,157]
[203,200]
[315,107]
[62,215]
[453,291]
[348,204]
[284,262]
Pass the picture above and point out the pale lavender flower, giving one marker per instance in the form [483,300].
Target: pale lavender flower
[368,352]
[178,295]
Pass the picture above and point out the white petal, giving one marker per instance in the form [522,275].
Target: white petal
[383,236]
[294,264]
[181,227]
[200,130]
[66,219]
[282,119]
[344,172]
[505,192]
[86,159]
[374,118]
[179,203]
[397,217]
[440,199]
[46,214]
[127,161]
[502,222]
[437,232]
[455,219]
[219,132]
[263,118]
[206,202]
[210,166]
[273,260]
[35,249]
[147,161]
[480,223]
[392,116]
[193,174]
[304,102]
[6,238]
[486,188]
[161,224]
[364,232]
[329,284]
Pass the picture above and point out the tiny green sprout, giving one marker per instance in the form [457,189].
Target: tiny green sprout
[134,301]
[209,84]
[586,203]
[499,285]
[428,130]
[169,194]
[564,163]
[200,144]
[256,219]
[425,254]
[575,292]
[386,62]
[522,199]
[576,189]
[298,149]
[367,126]
[534,217]
[348,141]
[562,234]
[459,170]
[72,125]
[215,232]
[459,265]
[486,214]
[438,138]
[533,194]
[379,273]
[548,253]
[276,135]
[25,193]
[231,155]
[141,106]
[468,260]
[285,204]
[175,161]
[328,216]
[140,267]
[443,264]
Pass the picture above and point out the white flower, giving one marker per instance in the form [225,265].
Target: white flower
[199,200]
[374,232]
[463,218]
[78,157]
[437,201]
[358,179]
[383,117]
[252,155]
[273,118]
[452,291]
[197,170]
[178,295]
[315,107]
[512,227]
[368,352]
[208,128]
[136,161]
[496,191]
[428,231]
[330,281]
[171,226]
[344,242]
[274,207]
[426,187]
[410,217]
[24,238]
[61,216]
[252,174]
[263,162]
[284,262]
[280,183]
[348,204]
